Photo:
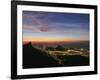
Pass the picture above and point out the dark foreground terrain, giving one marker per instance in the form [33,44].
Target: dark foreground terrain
[35,58]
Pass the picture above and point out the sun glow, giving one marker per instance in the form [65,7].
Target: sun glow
[49,39]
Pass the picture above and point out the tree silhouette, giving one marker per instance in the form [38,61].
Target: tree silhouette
[60,48]
[50,48]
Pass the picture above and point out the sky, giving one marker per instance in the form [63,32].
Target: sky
[40,26]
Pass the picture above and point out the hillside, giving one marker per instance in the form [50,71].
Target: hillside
[34,58]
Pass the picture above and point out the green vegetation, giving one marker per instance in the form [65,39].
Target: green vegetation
[60,48]
[50,48]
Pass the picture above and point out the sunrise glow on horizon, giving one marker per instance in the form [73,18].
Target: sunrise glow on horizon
[41,39]
[55,27]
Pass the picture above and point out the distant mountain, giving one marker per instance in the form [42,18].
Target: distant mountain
[80,44]
[34,58]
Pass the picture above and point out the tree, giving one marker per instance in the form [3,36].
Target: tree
[60,48]
[50,48]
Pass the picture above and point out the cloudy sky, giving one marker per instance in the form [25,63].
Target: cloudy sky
[51,26]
